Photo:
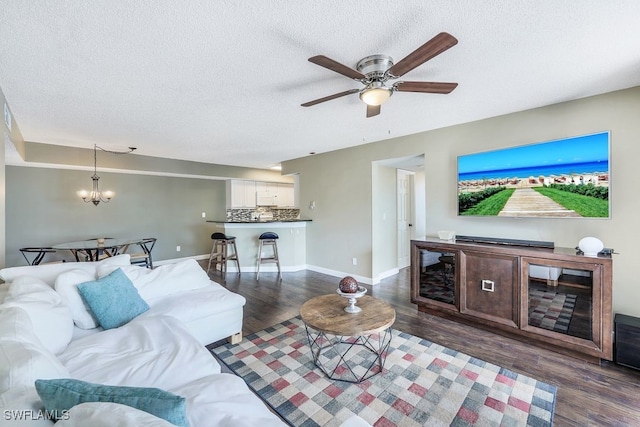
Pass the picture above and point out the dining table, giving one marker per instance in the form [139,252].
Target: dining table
[95,249]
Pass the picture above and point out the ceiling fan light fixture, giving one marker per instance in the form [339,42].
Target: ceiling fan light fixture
[375,70]
[375,95]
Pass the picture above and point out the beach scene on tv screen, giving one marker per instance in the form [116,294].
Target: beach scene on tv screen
[566,178]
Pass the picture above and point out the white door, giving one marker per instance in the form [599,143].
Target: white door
[404,200]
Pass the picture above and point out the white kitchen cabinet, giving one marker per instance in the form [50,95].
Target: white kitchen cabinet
[285,197]
[267,187]
[241,194]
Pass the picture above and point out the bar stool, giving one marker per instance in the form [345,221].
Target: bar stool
[268,238]
[220,253]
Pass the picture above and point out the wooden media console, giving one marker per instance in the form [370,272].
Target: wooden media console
[555,298]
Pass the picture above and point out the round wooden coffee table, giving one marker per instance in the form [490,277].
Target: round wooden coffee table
[348,347]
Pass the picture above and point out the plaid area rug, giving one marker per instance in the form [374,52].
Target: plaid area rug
[422,384]
[551,310]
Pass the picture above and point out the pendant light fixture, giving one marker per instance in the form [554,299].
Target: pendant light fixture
[95,196]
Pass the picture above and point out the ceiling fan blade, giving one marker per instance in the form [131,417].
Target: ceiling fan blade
[426,87]
[330,97]
[373,110]
[433,47]
[332,65]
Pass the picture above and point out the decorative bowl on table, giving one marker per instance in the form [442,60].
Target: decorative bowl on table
[446,235]
[353,297]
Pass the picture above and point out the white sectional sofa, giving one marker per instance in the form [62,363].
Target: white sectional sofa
[48,333]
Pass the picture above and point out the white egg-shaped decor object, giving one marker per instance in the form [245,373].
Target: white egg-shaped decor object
[590,246]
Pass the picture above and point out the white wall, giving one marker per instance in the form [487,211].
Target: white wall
[341,184]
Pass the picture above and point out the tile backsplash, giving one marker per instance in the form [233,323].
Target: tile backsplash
[250,214]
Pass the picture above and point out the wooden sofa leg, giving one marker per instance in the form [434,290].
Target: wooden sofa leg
[236,338]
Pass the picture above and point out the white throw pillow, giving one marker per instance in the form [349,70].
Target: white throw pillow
[67,286]
[49,272]
[108,414]
[50,316]
[24,281]
[22,363]
[164,280]
[120,260]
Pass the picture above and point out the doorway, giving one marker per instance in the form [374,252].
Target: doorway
[404,215]
[398,213]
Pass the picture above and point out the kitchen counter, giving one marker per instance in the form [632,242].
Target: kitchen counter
[269,221]
[291,243]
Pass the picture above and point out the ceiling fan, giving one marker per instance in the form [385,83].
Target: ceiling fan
[375,70]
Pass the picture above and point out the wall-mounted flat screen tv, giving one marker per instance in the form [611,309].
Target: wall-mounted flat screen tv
[565,178]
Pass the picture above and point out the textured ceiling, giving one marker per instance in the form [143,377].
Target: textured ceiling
[222,81]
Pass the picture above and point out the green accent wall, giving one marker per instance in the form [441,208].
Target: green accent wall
[42,209]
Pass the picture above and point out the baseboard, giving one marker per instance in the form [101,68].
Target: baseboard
[340,274]
[231,268]
[385,274]
[271,268]
[175,260]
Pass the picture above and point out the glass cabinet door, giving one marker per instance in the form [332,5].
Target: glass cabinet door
[561,299]
[437,275]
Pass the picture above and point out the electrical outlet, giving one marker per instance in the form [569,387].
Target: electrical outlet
[355,261]
[178,248]
[204,214]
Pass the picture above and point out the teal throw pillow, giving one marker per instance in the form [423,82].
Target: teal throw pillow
[113,299]
[60,395]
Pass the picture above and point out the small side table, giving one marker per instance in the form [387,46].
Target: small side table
[348,347]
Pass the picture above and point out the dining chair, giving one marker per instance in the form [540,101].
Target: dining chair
[144,257]
[39,254]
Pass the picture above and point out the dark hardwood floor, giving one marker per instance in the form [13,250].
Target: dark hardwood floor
[588,394]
